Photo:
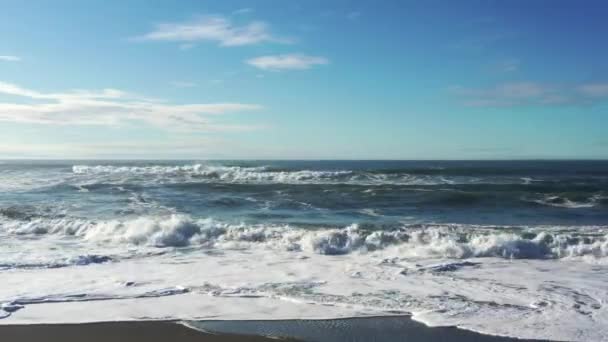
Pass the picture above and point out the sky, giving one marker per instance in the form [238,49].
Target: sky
[165,79]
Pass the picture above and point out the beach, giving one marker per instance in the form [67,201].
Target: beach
[381,329]
[118,331]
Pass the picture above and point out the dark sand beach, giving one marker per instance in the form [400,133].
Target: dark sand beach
[116,331]
[398,328]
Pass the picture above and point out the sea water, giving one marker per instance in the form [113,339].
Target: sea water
[514,248]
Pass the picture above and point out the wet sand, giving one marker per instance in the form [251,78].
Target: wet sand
[395,328]
[116,332]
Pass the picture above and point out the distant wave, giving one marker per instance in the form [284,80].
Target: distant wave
[424,241]
[272,175]
[228,174]
[565,202]
[557,201]
[162,169]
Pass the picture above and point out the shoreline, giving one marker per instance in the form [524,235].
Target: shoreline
[378,328]
[136,331]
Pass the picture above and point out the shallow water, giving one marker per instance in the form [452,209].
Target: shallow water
[378,329]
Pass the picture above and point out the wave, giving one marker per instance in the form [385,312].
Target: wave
[219,173]
[565,202]
[8,308]
[507,198]
[163,169]
[417,241]
[269,175]
[561,202]
[80,260]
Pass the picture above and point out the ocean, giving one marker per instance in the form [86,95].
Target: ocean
[512,248]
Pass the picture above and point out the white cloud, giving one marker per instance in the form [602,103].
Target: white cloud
[213,28]
[7,58]
[114,107]
[286,62]
[532,93]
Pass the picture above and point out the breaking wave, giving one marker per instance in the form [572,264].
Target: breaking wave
[564,202]
[270,175]
[229,174]
[416,241]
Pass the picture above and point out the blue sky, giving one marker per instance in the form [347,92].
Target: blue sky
[303,79]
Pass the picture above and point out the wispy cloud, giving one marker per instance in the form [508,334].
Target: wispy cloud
[186,46]
[287,62]
[214,28]
[177,146]
[508,65]
[114,107]
[354,15]
[181,147]
[476,44]
[7,58]
[594,89]
[245,10]
[183,84]
[532,93]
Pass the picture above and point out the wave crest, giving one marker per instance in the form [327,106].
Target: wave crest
[564,202]
[258,175]
[235,174]
[424,241]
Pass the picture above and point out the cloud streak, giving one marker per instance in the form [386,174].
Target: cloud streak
[353,15]
[183,84]
[111,107]
[214,28]
[594,90]
[286,62]
[532,93]
[508,65]
[7,58]
[241,11]
[163,148]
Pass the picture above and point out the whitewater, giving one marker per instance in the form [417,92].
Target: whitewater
[513,248]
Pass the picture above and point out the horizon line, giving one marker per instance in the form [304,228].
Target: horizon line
[302,159]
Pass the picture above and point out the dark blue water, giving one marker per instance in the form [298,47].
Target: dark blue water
[378,194]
